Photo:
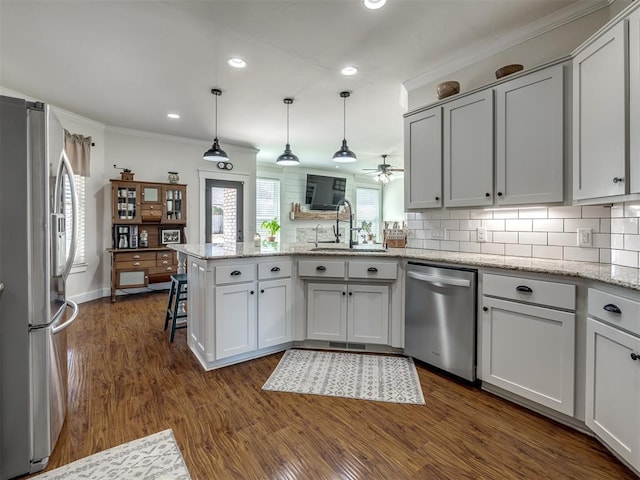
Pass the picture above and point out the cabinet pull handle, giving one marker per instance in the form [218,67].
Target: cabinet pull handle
[235,273]
[618,179]
[165,262]
[524,288]
[136,264]
[610,307]
[136,256]
[321,268]
[372,269]
[485,309]
[635,356]
[275,269]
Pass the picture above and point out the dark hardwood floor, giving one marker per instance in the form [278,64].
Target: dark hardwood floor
[127,381]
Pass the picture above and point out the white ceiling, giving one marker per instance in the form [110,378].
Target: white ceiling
[128,63]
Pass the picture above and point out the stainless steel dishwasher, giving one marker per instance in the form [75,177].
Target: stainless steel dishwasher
[440,318]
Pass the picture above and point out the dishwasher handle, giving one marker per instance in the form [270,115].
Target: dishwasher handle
[456,282]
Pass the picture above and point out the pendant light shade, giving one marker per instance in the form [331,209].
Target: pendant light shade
[215,153]
[344,155]
[288,158]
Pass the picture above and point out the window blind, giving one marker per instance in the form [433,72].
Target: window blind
[368,208]
[80,237]
[267,202]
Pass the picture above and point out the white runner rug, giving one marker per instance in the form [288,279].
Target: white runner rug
[156,457]
[353,375]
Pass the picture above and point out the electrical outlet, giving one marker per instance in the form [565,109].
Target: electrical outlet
[438,233]
[482,234]
[585,238]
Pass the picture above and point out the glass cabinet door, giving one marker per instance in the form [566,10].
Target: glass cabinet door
[125,203]
[175,204]
[151,194]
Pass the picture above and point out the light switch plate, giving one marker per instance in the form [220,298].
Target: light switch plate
[482,234]
[585,238]
[438,233]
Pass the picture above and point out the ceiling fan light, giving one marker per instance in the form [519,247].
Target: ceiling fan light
[215,153]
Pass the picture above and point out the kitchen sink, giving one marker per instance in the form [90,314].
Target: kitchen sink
[357,248]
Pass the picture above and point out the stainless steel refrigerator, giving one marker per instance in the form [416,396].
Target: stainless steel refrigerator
[37,244]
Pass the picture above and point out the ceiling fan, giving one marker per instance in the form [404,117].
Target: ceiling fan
[384,172]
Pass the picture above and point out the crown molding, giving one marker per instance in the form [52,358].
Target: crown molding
[74,117]
[172,138]
[472,55]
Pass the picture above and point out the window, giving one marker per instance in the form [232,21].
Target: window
[368,209]
[80,193]
[267,203]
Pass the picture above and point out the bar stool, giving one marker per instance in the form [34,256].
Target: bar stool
[177,296]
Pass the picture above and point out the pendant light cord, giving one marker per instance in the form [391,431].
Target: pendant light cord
[216,116]
[288,123]
[344,118]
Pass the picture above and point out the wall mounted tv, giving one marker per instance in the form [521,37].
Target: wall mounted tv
[324,193]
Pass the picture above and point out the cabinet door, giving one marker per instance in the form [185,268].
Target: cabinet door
[530,139]
[197,322]
[275,305]
[613,389]
[423,159]
[368,314]
[468,151]
[529,351]
[327,312]
[599,116]
[174,198]
[634,101]
[125,202]
[236,322]
[150,194]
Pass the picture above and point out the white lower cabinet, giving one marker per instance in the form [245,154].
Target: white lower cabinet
[236,319]
[528,349]
[275,319]
[348,313]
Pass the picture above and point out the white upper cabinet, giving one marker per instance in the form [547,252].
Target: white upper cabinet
[468,150]
[530,139]
[599,116]
[423,159]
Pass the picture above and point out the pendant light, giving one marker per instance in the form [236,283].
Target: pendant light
[215,153]
[344,155]
[288,158]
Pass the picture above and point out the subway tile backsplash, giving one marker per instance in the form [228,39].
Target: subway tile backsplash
[542,232]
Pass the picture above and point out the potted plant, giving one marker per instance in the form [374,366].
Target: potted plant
[273,227]
[366,226]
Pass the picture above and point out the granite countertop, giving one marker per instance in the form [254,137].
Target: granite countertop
[612,274]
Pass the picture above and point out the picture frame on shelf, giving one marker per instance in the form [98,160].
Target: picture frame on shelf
[170,236]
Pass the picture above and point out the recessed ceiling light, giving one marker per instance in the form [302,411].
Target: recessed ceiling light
[349,70]
[237,62]
[374,4]
[173,115]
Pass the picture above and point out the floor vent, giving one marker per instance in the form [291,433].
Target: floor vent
[359,346]
[337,344]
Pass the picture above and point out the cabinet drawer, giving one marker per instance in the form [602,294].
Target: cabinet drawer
[321,268]
[134,256]
[171,256]
[552,294]
[135,264]
[235,274]
[163,269]
[618,311]
[151,215]
[373,270]
[274,270]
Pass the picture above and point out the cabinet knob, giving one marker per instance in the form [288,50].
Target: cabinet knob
[499,194]
[618,179]
[437,198]
[262,290]
[350,293]
[635,356]
[485,309]
[611,308]
[344,293]
[252,292]
[487,194]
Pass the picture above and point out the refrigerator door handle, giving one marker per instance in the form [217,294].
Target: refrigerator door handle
[66,165]
[1,289]
[70,320]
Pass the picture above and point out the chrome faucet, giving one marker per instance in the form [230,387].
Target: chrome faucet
[337,227]
[318,228]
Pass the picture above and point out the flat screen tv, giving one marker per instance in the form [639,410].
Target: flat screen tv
[324,193]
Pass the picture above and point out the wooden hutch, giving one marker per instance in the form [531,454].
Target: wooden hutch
[146,217]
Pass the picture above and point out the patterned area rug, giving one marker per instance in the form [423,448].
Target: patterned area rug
[156,457]
[352,375]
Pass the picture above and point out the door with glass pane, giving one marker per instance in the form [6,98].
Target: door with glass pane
[223,211]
